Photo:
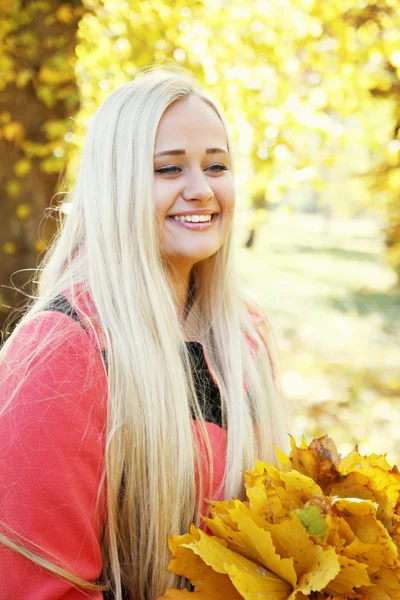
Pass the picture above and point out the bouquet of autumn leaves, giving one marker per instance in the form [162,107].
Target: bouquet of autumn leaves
[319,527]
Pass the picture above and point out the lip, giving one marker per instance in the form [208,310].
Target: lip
[194,226]
[199,211]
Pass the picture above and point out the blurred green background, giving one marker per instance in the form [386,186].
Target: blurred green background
[311,91]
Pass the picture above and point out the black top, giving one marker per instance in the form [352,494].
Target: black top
[207,391]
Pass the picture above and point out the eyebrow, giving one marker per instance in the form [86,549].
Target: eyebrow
[177,152]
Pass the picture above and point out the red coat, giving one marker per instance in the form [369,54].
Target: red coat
[52,441]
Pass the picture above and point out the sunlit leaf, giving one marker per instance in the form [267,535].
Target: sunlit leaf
[257,584]
[352,575]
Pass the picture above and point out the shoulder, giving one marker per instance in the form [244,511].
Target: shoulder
[44,326]
[52,353]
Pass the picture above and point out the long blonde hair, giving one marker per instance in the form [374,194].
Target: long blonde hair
[108,246]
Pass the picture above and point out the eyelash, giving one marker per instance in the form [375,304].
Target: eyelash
[169,171]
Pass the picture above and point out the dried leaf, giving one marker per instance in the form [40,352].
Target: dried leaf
[389,577]
[314,565]
[260,542]
[320,460]
[319,567]
[290,538]
[355,507]
[329,458]
[321,527]
[264,498]
[234,539]
[172,594]
[351,575]
[256,585]
[186,563]
[374,593]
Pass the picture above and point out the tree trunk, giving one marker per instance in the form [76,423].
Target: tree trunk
[38,96]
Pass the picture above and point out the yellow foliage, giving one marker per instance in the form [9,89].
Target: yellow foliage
[50,75]
[321,527]
[10,247]
[5,117]
[13,188]
[13,131]
[55,129]
[66,14]
[24,77]
[35,149]
[46,94]
[41,245]
[51,164]
[22,167]
[23,211]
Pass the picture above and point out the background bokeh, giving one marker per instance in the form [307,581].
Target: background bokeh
[311,90]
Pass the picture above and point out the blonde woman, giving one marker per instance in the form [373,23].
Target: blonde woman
[141,380]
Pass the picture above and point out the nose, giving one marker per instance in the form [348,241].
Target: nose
[197,187]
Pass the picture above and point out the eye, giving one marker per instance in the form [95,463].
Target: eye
[171,170]
[217,168]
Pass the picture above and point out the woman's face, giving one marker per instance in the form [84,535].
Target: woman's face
[192,177]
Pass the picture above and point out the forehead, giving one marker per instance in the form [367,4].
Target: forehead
[190,124]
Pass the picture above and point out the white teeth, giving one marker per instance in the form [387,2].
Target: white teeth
[194,218]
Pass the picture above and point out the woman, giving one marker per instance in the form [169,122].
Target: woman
[141,380]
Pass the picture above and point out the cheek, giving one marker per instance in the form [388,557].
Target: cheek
[165,193]
[227,197]
[160,203]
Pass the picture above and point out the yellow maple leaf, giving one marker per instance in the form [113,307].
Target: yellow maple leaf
[355,507]
[389,577]
[340,534]
[290,538]
[254,585]
[374,593]
[216,554]
[371,531]
[172,594]
[284,460]
[372,554]
[320,567]
[234,539]
[315,566]
[297,482]
[320,460]
[260,542]
[352,574]
[378,476]
[263,472]
[220,507]
[353,485]
[187,564]
[329,458]
[264,499]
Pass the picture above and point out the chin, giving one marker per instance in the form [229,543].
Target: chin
[190,257]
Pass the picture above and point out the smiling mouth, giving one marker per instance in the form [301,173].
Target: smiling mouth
[179,217]
[195,225]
